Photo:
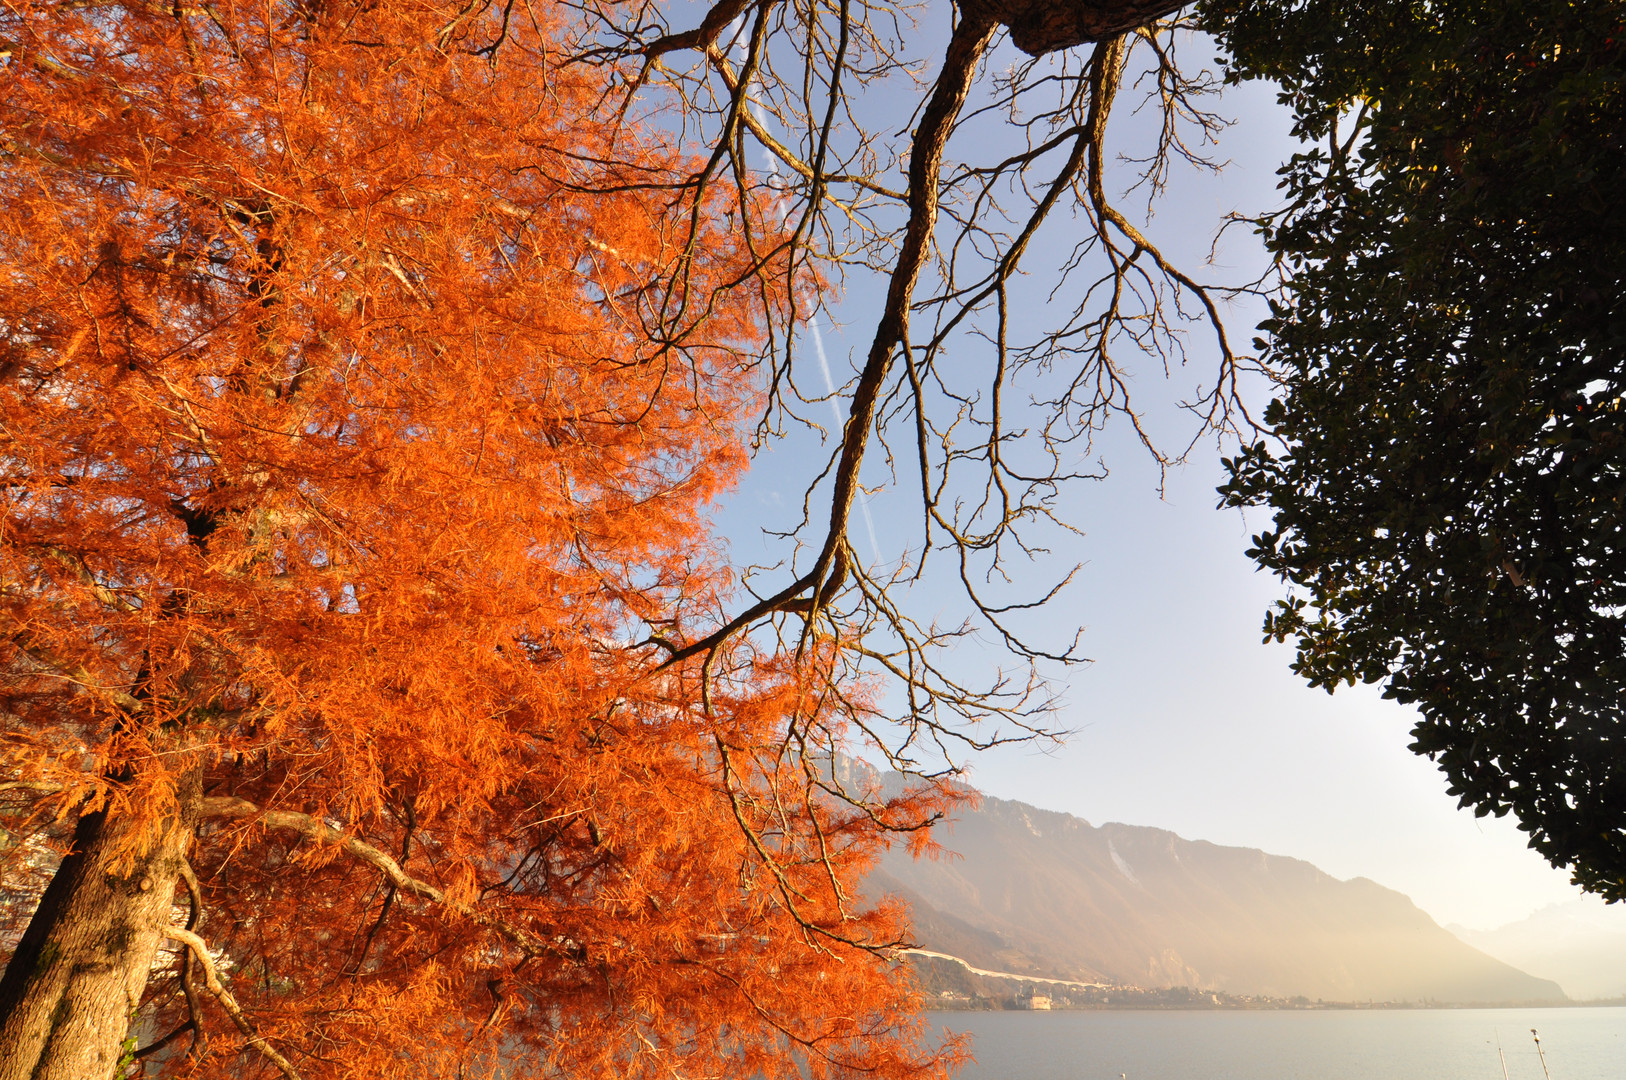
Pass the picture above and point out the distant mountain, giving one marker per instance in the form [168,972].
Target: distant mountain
[1047,894]
[1581,945]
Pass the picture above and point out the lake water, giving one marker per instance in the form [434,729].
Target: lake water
[1423,1044]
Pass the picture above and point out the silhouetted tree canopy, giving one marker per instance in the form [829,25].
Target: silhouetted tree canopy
[1447,468]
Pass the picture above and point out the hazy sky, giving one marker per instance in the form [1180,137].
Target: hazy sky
[1185,720]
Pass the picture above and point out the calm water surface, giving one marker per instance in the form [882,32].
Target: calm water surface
[1432,1044]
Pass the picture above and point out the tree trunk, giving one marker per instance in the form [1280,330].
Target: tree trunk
[1044,26]
[69,995]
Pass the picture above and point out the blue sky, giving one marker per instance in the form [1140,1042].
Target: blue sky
[1184,720]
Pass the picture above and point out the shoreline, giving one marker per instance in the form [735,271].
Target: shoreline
[1315,1006]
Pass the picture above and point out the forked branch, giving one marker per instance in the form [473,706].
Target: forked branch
[199,950]
[318,831]
[785,82]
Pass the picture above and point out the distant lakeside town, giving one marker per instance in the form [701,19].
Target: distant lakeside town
[953,986]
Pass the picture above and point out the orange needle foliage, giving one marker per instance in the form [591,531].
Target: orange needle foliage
[342,486]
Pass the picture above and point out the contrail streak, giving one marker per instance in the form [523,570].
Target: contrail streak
[812,321]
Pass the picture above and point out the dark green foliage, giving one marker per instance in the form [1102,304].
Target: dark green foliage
[1451,344]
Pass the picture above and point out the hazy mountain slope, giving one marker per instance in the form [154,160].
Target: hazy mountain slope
[1580,945]
[1038,892]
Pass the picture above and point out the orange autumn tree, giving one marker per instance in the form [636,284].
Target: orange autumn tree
[351,507]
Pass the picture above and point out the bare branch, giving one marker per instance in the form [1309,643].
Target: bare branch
[199,950]
[317,831]
[788,83]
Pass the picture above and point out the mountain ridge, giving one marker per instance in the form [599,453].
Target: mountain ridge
[1580,944]
[1043,893]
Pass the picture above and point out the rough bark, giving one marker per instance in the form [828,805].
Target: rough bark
[1043,26]
[75,982]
